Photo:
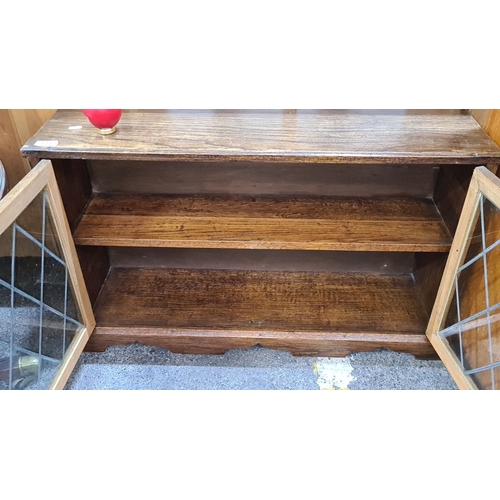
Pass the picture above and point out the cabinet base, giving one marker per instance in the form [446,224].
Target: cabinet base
[297,343]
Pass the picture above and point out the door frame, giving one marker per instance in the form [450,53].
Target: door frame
[41,178]
[485,183]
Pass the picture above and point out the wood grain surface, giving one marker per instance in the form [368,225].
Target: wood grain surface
[75,187]
[329,136]
[250,307]
[489,119]
[297,343]
[393,224]
[16,127]
[369,181]
[428,270]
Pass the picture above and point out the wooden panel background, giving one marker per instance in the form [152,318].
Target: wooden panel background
[489,119]
[17,126]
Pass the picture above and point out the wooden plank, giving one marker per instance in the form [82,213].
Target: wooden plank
[329,136]
[298,311]
[264,223]
[270,207]
[260,300]
[488,184]
[298,343]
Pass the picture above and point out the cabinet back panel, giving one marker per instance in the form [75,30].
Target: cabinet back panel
[264,260]
[246,178]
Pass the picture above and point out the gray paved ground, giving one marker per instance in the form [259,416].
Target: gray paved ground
[138,367]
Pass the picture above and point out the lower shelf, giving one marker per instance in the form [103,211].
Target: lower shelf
[306,313]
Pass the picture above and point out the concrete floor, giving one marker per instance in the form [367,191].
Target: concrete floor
[138,367]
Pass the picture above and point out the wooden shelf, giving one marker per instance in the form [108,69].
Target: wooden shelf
[284,223]
[308,313]
[306,136]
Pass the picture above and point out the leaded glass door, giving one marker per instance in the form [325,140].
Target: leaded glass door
[464,327]
[45,313]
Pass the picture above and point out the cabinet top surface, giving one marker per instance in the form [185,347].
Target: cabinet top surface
[331,136]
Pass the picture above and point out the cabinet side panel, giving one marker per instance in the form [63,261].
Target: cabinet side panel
[429,268]
[451,188]
[76,191]
[94,262]
[75,187]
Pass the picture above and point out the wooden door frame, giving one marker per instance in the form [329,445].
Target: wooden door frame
[482,182]
[15,202]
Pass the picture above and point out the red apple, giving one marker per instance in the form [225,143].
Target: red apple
[103,119]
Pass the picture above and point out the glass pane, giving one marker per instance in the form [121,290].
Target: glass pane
[26,323]
[493,267]
[30,220]
[51,237]
[54,282]
[489,379]
[5,314]
[491,222]
[474,244]
[5,331]
[476,345]
[57,334]
[48,369]
[471,289]
[5,255]
[452,316]
[28,265]
[72,309]
[53,327]
[5,368]
[455,342]
[25,369]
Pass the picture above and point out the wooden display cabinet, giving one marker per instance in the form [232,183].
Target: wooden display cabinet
[317,232]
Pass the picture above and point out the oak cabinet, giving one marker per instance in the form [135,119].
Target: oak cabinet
[317,232]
